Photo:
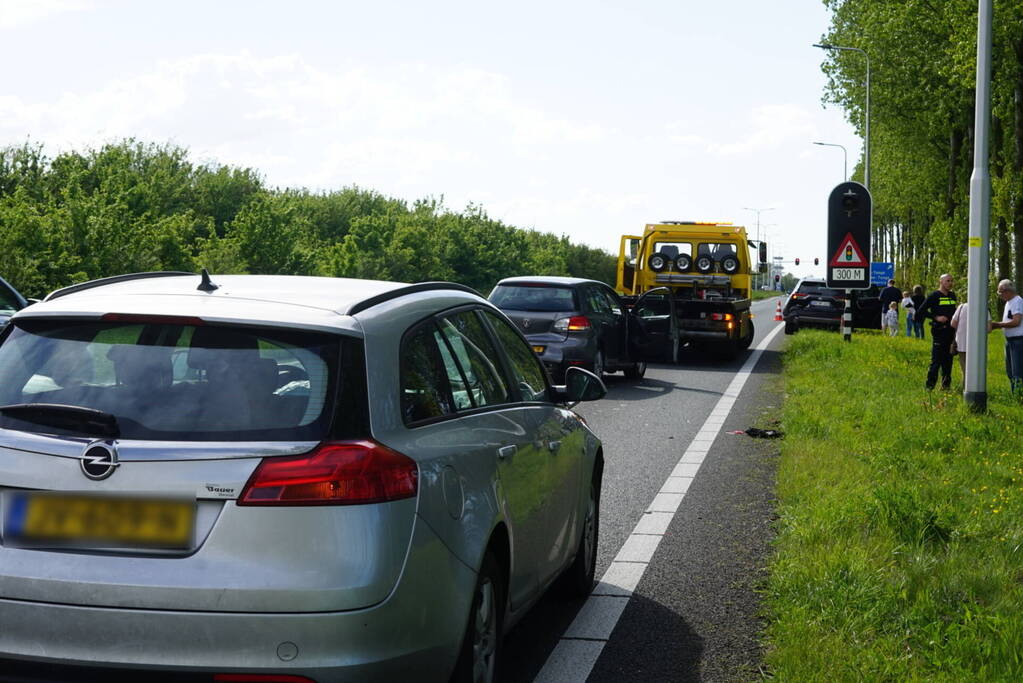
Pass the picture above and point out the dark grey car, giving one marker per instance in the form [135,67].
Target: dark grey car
[570,322]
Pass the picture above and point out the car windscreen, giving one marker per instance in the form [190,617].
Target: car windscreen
[815,289]
[177,382]
[538,298]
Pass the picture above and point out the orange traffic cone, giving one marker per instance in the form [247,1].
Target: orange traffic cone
[777,312]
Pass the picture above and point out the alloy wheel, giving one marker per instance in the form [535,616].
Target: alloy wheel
[484,644]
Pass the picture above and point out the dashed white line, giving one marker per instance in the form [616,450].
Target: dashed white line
[573,658]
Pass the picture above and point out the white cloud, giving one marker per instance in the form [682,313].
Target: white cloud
[20,13]
[304,125]
[770,127]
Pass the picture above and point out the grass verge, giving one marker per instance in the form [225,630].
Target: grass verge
[759,294]
[899,553]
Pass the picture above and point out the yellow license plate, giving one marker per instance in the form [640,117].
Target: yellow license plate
[539,349]
[62,519]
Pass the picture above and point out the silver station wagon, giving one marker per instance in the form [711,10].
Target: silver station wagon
[267,478]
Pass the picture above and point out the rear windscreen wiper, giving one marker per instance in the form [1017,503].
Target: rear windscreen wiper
[73,418]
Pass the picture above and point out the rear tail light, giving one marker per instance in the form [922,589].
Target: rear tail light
[576,323]
[263,678]
[336,473]
[720,316]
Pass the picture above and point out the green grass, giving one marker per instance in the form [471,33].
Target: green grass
[899,554]
[759,294]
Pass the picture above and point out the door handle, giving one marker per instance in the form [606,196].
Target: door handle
[553,445]
[507,451]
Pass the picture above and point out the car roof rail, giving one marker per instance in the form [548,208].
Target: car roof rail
[103,281]
[360,306]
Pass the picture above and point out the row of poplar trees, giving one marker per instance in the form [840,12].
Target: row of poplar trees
[922,93]
[131,207]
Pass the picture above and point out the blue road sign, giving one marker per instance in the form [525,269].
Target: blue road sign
[881,272]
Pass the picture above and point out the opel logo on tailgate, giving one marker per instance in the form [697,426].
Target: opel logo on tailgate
[99,460]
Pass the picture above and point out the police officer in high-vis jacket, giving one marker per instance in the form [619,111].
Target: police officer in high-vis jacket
[940,306]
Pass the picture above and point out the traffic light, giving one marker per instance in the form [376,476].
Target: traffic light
[816,261]
[797,260]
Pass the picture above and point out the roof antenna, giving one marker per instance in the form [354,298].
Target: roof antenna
[207,285]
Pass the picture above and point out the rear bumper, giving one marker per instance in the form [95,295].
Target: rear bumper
[419,628]
[559,356]
[815,321]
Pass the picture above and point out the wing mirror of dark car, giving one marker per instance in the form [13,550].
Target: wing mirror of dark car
[580,385]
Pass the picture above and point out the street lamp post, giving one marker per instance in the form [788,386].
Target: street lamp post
[759,280]
[845,158]
[866,113]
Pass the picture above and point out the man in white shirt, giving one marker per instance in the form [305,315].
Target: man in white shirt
[1010,325]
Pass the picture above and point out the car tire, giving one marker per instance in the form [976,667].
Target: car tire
[577,581]
[704,264]
[790,327]
[730,265]
[597,367]
[636,370]
[478,660]
[683,263]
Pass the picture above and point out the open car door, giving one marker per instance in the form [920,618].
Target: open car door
[653,327]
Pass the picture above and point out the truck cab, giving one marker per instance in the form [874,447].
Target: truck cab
[688,284]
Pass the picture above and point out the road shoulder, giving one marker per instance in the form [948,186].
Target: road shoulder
[695,613]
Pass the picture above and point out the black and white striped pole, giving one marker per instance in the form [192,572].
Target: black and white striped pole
[847,317]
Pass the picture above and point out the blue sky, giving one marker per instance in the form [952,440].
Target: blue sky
[583,118]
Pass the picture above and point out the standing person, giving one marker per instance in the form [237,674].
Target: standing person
[907,303]
[960,322]
[1010,325]
[889,295]
[891,320]
[940,306]
[918,301]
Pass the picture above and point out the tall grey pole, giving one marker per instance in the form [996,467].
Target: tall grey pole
[758,280]
[975,393]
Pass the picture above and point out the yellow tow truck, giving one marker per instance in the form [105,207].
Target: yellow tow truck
[688,284]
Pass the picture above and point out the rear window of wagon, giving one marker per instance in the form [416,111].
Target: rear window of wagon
[180,382]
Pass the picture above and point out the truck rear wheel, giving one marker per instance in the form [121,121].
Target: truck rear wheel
[748,339]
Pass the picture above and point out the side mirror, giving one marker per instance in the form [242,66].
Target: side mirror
[762,252]
[580,385]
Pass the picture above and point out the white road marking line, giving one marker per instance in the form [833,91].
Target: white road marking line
[578,650]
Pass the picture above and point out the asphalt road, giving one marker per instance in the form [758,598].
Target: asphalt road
[693,615]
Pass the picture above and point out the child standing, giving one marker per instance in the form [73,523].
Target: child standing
[891,319]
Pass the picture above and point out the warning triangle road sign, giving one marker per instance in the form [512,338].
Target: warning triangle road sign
[849,254]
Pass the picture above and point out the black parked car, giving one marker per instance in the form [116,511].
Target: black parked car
[813,304]
[571,321]
[10,302]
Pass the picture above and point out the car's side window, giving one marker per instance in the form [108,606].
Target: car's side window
[425,390]
[471,347]
[597,302]
[612,301]
[525,365]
